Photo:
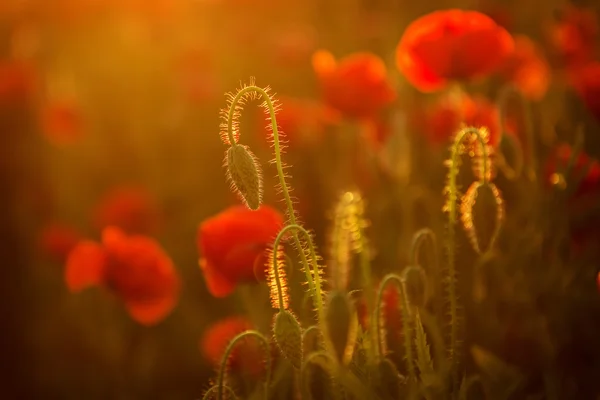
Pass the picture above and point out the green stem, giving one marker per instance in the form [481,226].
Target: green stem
[314,279]
[418,239]
[513,173]
[451,208]
[406,323]
[215,388]
[227,354]
[316,287]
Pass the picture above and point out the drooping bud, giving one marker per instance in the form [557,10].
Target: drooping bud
[243,171]
[482,214]
[341,326]
[288,336]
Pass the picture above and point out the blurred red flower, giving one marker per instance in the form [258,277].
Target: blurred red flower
[62,121]
[130,208]
[527,68]
[231,244]
[303,121]
[574,36]
[451,45]
[586,81]
[357,85]
[17,81]
[247,355]
[444,118]
[135,268]
[391,315]
[57,240]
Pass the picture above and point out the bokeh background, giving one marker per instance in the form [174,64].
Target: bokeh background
[109,111]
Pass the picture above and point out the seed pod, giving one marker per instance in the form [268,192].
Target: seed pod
[482,213]
[341,326]
[415,285]
[288,335]
[243,171]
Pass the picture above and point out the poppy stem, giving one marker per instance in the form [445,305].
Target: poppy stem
[314,279]
[406,322]
[515,172]
[451,207]
[227,354]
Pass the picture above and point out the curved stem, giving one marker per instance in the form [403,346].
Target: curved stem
[216,388]
[316,288]
[227,354]
[407,321]
[314,279]
[528,134]
[451,208]
[418,239]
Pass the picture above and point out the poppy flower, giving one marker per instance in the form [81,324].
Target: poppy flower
[62,121]
[134,268]
[586,81]
[527,68]
[246,356]
[232,243]
[451,45]
[57,240]
[357,85]
[130,208]
[574,36]
[444,118]
[303,121]
[17,81]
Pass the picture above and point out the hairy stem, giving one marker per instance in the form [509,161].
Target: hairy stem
[227,354]
[406,323]
[315,286]
[451,207]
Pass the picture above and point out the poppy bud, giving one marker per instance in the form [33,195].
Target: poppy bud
[244,174]
[341,325]
[288,335]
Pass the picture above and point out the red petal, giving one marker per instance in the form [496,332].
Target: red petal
[85,266]
[150,313]
[217,284]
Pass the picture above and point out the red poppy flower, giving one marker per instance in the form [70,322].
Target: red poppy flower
[451,45]
[231,244]
[130,208]
[586,81]
[62,121]
[135,268]
[247,356]
[303,121]
[441,121]
[57,240]
[527,68]
[357,85]
[574,36]
[17,81]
